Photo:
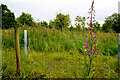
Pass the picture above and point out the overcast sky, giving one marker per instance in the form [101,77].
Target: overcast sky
[47,9]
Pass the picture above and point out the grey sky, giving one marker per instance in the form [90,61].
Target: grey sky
[47,9]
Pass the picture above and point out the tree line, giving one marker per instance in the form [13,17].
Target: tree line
[62,20]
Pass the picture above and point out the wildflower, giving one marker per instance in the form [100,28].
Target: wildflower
[86,45]
[58,27]
[95,54]
[32,24]
[90,51]
[46,29]
[95,43]
[40,26]
[86,41]
[93,37]
[86,52]
[53,29]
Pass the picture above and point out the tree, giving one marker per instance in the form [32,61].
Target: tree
[112,22]
[44,23]
[51,24]
[97,25]
[72,28]
[63,21]
[107,25]
[80,22]
[8,18]
[25,18]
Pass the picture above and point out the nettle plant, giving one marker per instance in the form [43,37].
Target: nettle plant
[90,48]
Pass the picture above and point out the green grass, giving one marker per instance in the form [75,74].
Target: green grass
[56,65]
[57,54]
[42,40]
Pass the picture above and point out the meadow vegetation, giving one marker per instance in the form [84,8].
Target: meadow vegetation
[58,54]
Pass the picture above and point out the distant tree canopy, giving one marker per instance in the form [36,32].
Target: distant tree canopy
[8,18]
[112,23]
[25,18]
[51,24]
[80,22]
[63,21]
[95,25]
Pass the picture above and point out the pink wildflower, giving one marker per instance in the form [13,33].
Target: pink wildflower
[93,37]
[86,52]
[95,42]
[86,41]
[90,51]
[96,54]
[86,45]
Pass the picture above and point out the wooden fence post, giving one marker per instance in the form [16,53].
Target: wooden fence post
[17,50]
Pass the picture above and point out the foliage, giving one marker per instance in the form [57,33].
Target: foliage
[80,22]
[55,40]
[112,22]
[8,18]
[97,25]
[72,28]
[44,23]
[56,65]
[63,21]
[51,24]
[25,18]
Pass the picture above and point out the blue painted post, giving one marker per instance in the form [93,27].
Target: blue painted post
[25,42]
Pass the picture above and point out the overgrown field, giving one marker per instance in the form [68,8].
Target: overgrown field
[58,54]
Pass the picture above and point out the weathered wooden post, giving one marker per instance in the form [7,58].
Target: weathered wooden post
[17,50]
[25,42]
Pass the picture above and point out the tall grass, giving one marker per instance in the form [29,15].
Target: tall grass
[45,39]
[58,54]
